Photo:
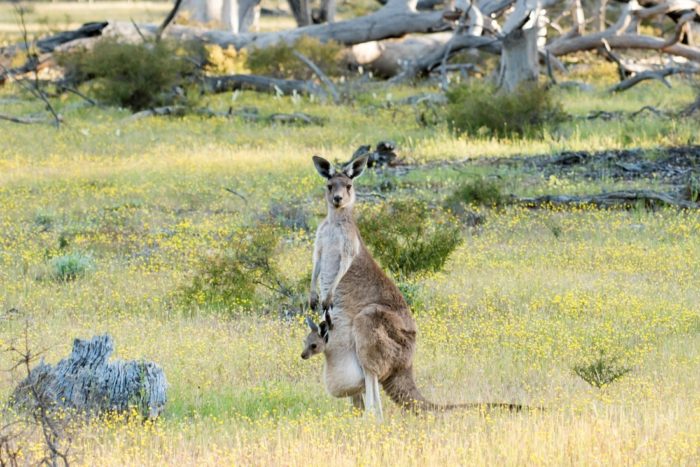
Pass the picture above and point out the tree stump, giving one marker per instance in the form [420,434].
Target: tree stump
[87,382]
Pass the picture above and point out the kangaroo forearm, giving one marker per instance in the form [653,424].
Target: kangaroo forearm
[342,269]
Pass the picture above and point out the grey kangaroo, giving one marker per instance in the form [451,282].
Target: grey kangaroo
[341,371]
[370,317]
[335,370]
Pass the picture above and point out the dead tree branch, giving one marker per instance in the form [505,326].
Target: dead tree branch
[321,75]
[168,19]
[659,75]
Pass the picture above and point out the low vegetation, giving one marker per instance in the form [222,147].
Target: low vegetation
[135,76]
[478,191]
[279,60]
[70,267]
[242,276]
[481,108]
[410,237]
[602,371]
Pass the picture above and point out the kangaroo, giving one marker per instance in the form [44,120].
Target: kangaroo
[336,365]
[370,315]
[341,371]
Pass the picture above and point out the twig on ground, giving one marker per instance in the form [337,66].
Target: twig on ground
[24,120]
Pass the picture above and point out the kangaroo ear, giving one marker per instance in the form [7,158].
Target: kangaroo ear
[355,168]
[311,324]
[327,320]
[323,167]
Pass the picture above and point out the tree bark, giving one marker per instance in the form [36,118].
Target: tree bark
[234,16]
[87,382]
[601,7]
[519,56]
[301,11]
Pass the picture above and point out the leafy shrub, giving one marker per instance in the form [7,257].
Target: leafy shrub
[602,371]
[409,237]
[477,107]
[279,60]
[479,191]
[231,278]
[225,61]
[136,76]
[69,267]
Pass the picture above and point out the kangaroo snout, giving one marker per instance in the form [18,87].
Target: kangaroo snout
[305,355]
[337,199]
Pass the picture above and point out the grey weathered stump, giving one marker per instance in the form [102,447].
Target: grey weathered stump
[87,382]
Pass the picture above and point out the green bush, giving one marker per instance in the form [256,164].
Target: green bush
[279,60]
[231,278]
[476,108]
[601,371]
[479,191]
[69,267]
[137,76]
[409,237]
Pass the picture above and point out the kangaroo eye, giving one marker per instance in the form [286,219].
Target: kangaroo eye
[348,187]
[313,346]
[330,187]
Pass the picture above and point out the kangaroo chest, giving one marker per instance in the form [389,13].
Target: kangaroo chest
[338,243]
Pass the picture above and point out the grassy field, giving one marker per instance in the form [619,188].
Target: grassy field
[528,296]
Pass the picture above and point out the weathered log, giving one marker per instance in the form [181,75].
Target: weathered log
[246,113]
[87,382]
[628,198]
[388,22]
[227,83]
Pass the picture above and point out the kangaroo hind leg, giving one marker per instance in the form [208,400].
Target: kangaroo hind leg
[377,398]
[358,402]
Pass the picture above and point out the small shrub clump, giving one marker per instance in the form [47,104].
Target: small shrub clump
[225,61]
[409,237]
[136,76]
[602,371]
[231,278]
[70,267]
[479,191]
[479,108]
[279,60]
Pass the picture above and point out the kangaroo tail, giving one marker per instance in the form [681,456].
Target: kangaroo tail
[403,391]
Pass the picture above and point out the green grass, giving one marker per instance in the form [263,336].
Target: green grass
[526,298]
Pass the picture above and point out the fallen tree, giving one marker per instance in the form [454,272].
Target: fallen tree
[627,198]
[470,25]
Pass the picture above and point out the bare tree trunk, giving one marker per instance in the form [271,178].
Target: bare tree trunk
[519,57]
[325,14]
[301,11]
[203,11]
[599,20]
[235,16]
[577,16]
[240,15]
[229,16]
